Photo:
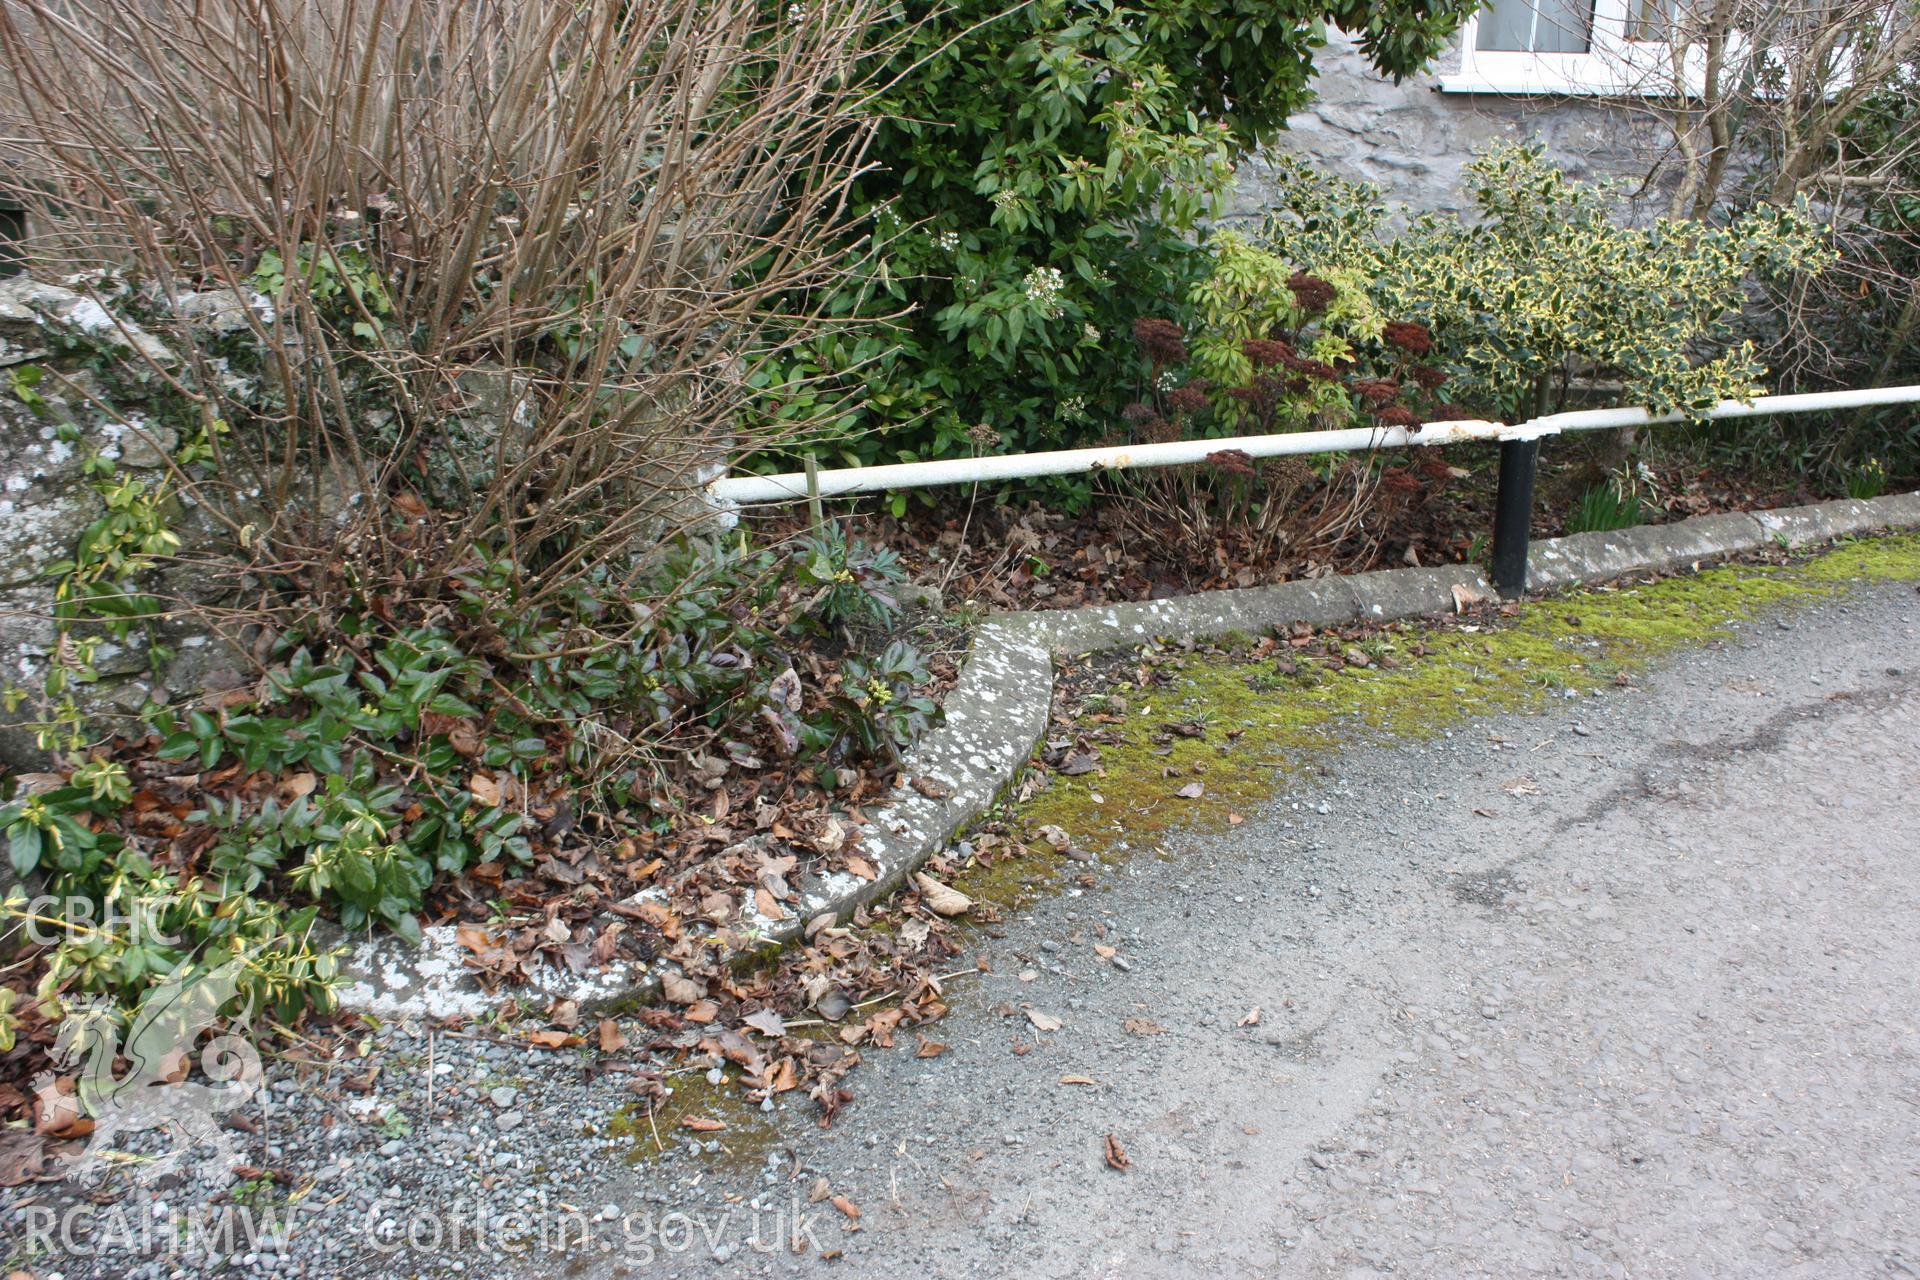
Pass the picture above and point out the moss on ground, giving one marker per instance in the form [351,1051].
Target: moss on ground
[1292,724]
[749,1131]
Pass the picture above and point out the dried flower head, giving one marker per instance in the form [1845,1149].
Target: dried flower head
[1266,352]
[1426,376]
[1136,413]
[1448,413]
[1398,415]
[1319,369]
[1187,399]
[1235,462]
[1161,339]
[1399,480]
[1410,336]
[983,435]
[1157,430]
[1288,475]
[1375,392]
[1310,293]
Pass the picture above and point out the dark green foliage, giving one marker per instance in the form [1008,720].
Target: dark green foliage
[1037,189]
[876,705]
[850,580]
[372,758]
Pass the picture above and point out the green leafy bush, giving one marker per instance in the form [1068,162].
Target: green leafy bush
[1274,349]
[1540,285]
[849,579]
[876,705]
[1035,189]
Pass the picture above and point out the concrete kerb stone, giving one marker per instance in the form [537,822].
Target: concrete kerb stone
[1321,602]
[1825,521]
[997,714]
[1394,594]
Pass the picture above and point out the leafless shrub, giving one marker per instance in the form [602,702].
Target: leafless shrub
[1236,511]
[492,271]
[1777,100]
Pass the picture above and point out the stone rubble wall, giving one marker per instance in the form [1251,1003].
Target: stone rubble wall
[47,503]
[1413,140]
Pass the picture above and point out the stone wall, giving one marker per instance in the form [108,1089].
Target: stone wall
[1412,140]
[47,503]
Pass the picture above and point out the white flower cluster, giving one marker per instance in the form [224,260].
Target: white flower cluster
[1073,408]
[796,14]
[1167,381]
[1043,286]
[948,240]
[1005,198]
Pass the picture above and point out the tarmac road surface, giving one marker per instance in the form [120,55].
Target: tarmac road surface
[1655,1016]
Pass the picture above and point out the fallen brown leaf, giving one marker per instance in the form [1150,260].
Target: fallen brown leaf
[57,1114]
[1465,597]
[1116,1154]
[766,1022]
[681,989]
[941,899]
[474,938]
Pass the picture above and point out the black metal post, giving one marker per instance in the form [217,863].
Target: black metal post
[1513,515]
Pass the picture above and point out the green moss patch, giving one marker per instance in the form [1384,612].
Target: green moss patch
[748,1135]
[1420,681]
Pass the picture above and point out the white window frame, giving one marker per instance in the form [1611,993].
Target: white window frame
[1613,65]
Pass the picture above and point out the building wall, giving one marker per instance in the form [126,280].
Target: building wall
[1413,140]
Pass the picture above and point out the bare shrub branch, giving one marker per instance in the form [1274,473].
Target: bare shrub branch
[518,259]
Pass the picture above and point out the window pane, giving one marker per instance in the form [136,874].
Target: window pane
[1536,26]
[1652,19]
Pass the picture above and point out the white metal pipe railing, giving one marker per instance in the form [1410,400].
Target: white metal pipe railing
[1059,462]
